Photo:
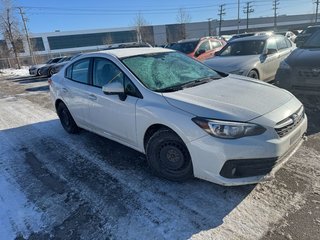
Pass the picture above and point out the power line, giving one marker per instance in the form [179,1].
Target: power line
[247,10]
[317,8]
[222,12]
[275,8]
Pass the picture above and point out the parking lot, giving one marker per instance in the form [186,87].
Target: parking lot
[60,186]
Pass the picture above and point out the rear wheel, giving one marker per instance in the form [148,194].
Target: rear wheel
[51,72]
[168,156]
[66,119]
[253,74]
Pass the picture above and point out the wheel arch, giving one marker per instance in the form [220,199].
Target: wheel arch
[257,71]
[153,129]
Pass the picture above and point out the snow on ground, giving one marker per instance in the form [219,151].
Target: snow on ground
[24,71]
[83,181]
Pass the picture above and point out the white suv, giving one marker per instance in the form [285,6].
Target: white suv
[188,119]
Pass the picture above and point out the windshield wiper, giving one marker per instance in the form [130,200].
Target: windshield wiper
[188,84]
[170,89]
[199,82]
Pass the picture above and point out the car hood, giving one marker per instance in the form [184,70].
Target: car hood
[233,63]
[233,98]
[37,66]
[303,57]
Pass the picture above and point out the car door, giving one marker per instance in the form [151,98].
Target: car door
[269,60]
[284,48]
[109,115]
[75,90]
[205,48]
[216,46]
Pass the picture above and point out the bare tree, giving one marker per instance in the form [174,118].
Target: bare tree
[10,30]
[140,24]
[182,18]
[107,40]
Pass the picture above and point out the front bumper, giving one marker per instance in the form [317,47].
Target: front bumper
[33,71]
[214,159]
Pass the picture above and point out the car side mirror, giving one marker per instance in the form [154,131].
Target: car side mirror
[199,52]
[114,88]
[270,51]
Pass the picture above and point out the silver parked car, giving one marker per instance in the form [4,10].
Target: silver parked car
[256,57]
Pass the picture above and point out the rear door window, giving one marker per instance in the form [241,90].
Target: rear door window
[281,43]
[215,44]
[79,71]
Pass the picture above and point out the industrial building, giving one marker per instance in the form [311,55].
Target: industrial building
[65,43]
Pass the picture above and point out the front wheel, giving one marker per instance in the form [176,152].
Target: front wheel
[253,74]
[168,156]
[66,119]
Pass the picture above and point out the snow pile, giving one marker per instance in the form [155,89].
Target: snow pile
[24,71]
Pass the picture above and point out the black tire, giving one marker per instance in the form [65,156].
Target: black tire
[66,119]
[253,74]
[168,156]
[38,72]
[50,72]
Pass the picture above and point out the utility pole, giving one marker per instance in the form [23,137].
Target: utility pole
[275,8]
[238,16]
[24,20]
[209,26]
[317,9]
[247,10]
[222,12]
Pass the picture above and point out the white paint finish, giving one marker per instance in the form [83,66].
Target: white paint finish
[233,98]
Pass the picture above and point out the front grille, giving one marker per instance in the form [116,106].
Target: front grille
[287,125]
[308,73]
[306,88]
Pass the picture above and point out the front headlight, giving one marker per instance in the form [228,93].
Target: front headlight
[229,130]
[284,65]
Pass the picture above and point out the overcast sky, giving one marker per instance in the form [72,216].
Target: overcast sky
[67,15]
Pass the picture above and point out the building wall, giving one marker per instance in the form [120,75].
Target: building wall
[93,40]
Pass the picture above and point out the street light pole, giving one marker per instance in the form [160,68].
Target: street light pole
[238,16]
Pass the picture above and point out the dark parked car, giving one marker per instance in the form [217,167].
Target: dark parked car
[45,70]
[58,66]
[35,69]
[305,34]
[199,48]
[300,72]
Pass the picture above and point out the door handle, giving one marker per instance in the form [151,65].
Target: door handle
[64,90]
[92,97]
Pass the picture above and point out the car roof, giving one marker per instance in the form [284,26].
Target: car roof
[250,38]
[188,40]
[129,52]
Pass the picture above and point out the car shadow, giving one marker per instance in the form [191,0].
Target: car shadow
[27,80]
[98,171]
[38,89]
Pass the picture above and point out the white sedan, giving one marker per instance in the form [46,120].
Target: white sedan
[188,119]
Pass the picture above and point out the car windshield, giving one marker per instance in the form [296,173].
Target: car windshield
[313,42]
[49,61]
[185,47]
[55,60]
[161,71]
[243,48]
